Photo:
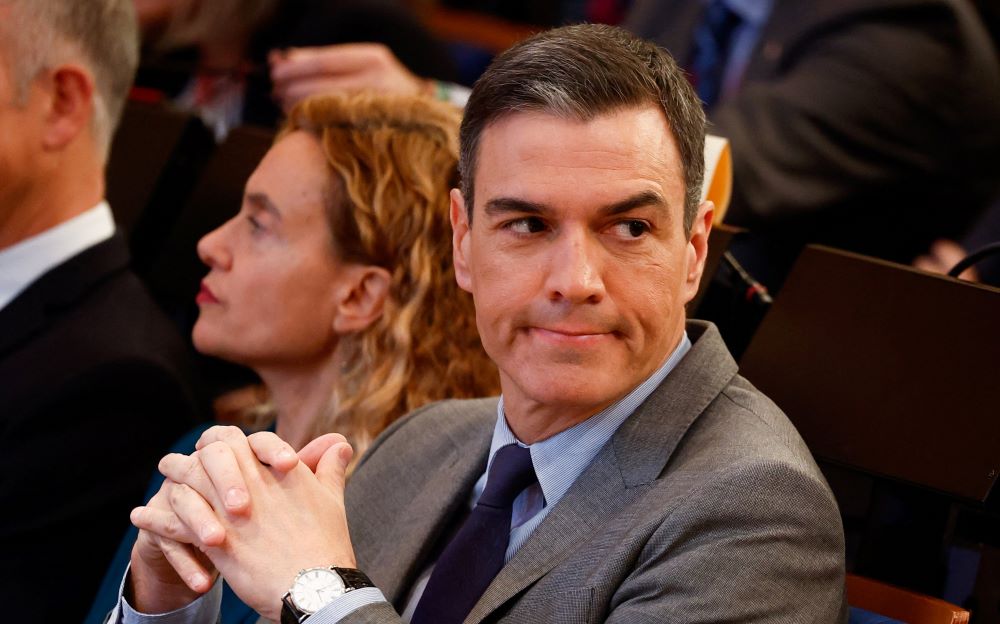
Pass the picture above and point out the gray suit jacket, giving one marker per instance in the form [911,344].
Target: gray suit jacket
[705,506]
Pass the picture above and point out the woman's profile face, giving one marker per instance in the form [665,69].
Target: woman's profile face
[269,297]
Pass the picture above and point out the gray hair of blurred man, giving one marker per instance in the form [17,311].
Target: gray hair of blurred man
[102,34]
[580,72]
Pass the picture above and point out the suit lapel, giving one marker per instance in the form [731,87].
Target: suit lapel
[410,540]
[622,471]
[57,289]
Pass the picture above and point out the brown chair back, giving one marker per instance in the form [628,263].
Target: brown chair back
[886,369]
[901,604]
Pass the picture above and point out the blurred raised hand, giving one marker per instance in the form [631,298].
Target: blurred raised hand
[298,73]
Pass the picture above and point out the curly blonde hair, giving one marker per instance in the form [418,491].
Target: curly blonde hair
[394,159]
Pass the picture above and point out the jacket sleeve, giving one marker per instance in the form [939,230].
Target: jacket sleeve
[761,543]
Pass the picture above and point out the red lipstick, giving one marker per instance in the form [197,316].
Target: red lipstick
[205,295]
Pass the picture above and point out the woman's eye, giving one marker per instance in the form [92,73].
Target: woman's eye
[255,225]
[632,228]
[527,225]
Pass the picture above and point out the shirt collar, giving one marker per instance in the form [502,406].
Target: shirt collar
[559,460]
[23,263]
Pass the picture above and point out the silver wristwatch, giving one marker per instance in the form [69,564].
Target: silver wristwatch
[315,588]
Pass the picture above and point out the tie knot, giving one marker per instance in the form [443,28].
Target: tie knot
[510,473]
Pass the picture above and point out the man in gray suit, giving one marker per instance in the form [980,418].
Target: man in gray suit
[632,473]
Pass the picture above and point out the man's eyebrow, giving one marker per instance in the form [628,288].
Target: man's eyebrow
[262,201]
[502,205]
[639,200]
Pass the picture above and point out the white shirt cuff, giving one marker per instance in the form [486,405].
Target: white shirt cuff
[346,604]
[203,610]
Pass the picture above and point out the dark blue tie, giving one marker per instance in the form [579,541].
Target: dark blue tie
[475,555]
[712,42]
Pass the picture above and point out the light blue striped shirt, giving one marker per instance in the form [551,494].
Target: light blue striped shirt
[558,462]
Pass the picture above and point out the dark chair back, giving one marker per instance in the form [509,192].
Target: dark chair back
[886,369]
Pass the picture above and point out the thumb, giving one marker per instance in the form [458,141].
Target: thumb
[332,468]
[311,453]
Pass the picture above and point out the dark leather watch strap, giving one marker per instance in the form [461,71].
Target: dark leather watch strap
[353,579]
[289,614]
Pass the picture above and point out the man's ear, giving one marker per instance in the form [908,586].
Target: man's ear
[359,302]
[69,91]
[697,248]
[460,240]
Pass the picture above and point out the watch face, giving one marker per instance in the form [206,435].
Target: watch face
[315,588]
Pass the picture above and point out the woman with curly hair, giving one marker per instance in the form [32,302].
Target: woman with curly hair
[335,281]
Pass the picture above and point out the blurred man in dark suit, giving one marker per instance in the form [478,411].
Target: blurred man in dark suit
[869,125]
[90,371]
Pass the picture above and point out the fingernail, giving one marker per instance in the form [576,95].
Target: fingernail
[197,580]
[208,531]
[286,455]
[236,497]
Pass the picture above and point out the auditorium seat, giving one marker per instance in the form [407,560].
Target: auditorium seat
[873,602]
[886,369]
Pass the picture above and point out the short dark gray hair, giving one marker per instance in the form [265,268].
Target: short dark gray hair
[39,34]
[580,72]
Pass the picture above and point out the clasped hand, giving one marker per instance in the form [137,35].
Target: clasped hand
[249,508]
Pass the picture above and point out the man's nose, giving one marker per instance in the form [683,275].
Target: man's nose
[575,271]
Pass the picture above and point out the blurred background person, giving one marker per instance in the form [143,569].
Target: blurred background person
[847,118]
[983,237]
[867,125]
[211,56]
[335,282]
[94,383]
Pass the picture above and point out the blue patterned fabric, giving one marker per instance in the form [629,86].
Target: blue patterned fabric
[860,616]
[712,41]
[234,610]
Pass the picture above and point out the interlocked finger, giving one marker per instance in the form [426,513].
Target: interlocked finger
[223,470]
[273,451]
[162,523]
[187,564]
[196,514]
[188,469]
[237,441]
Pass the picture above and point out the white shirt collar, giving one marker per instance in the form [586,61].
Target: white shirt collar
[28,260]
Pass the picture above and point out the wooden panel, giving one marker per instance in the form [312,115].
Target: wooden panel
[484,31]
[901,604]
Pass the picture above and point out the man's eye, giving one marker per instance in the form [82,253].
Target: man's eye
[527,225]
[255,225]
[632,228]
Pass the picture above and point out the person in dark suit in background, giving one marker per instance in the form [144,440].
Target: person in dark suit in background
[848,119]
[868,125]
[93,380]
